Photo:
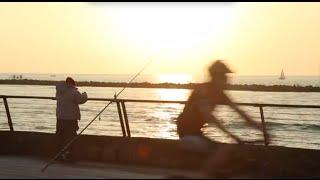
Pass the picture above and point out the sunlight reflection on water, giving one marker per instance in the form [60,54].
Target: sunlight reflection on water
[157,120]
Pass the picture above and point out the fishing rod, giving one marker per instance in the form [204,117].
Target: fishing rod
[78,135]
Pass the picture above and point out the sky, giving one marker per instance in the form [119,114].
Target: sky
[120,38]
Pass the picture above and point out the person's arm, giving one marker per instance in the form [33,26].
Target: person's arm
[81,98]
[205,110]
[247,119]
[220,126]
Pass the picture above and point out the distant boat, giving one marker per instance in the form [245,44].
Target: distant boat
[282,77]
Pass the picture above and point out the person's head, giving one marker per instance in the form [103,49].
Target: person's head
[218,73]
[70,81]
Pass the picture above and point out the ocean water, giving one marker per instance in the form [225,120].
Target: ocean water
[234,79]
[291,127]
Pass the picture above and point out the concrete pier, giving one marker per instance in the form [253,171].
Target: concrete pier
[250,160]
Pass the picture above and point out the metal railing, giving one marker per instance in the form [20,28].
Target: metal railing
[122,112]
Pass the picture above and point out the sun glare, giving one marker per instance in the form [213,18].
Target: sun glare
[173,94]
[179,31]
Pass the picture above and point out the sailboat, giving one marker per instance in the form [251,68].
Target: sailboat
[282,77]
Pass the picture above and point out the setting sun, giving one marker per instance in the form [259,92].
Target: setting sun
[174,28]
[180,34]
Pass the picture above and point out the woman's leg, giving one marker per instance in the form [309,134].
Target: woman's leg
[219,161]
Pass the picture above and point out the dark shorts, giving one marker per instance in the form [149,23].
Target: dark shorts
[196,143]
[66,126]
[66,130]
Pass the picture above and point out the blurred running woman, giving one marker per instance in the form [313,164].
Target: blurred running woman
[198,111]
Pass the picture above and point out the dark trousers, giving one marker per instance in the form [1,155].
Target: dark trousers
[66,130]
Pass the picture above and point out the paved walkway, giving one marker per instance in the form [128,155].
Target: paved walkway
[30,167]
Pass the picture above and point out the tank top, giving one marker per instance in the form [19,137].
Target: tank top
[191,120]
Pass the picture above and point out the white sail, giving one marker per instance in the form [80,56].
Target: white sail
[282,75]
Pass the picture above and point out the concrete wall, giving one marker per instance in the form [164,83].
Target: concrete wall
[259,161]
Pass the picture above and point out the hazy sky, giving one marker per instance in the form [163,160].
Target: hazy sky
[119,38]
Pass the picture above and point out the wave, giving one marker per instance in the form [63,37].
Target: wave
[302,126]
[238,125]
[43,127]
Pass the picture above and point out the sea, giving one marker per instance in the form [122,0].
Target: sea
[289,127]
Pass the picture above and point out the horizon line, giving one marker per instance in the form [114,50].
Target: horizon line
[233,74]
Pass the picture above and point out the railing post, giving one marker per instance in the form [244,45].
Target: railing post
[8,113]
[126,118]
[263,126]
[121,120]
